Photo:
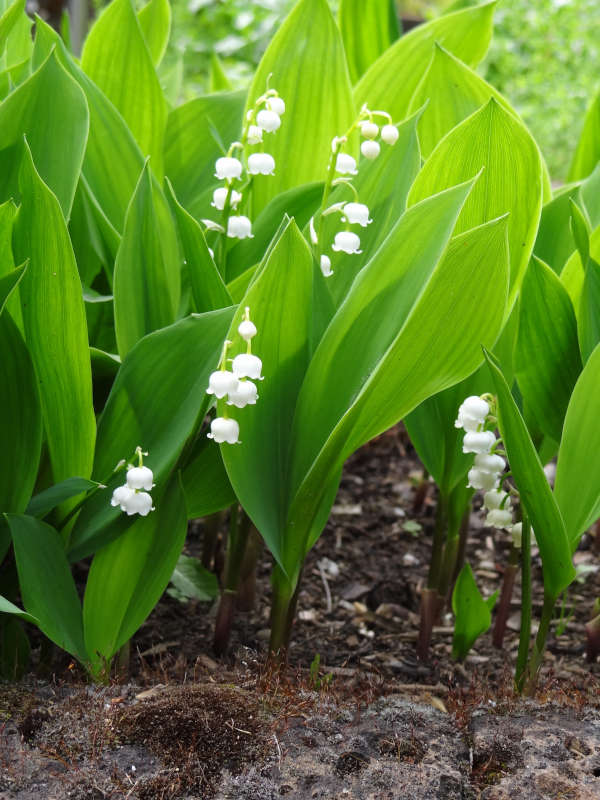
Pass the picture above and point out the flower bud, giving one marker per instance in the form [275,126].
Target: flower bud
[357,213]
[481,479]
[221,383]
[494,499]
[247,330]
[369,129]
[474,442]
[269,121]
[345,164]
[261,164]
[389,134]
[499,518]
[370,149]
[347,241]
[472,413]
[247,366]
[140,478]
[220,195]
[490,462]
[239,228]
[255,134]
[245,395]
[326,266]
[276,104]
[224,430]
[227,168]
[516,533]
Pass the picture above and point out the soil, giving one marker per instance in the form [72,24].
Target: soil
[367,720]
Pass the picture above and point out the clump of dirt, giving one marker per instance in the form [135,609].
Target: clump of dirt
[197,732]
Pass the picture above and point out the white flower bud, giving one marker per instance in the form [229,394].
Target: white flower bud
[276,104]
[246,395]
[326,266]
[247,366]
[494,499]
[369,129]
[389,134]
[139,503]
[472,413]
[261,164]
[347,241]
[247,330]
[313,233]
[221,383]
[211,225]
[357,213]
[490,462]
[239,228]
[345,164]
[481,479]
[499,518]
[212,253]
[140,478]
[370,149]
[336,141]
[269,121]
[474,442]
[220,195]
[121,496]
[228,168]
[255,134]
[516,533]
[224,430]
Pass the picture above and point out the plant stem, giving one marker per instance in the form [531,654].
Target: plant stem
[540,645]
[508,583]
[212,526]
[246,594]
[429,595]
[239,525]
[525,635]
[592,632]
[283,608]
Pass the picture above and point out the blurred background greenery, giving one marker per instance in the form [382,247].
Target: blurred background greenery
[545,55]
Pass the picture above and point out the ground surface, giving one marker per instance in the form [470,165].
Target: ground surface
[372,723]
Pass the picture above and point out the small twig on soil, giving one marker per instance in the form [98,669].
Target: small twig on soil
[278,750]
[326,585]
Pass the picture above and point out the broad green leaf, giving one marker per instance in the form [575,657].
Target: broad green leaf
[577,485]
[155,22]
[554,242]
[581,230]
[40,504]
[496,141]
[218,80]
[472,613]
[307,65]
[6,607]
[8,284]
[55,325]
[587,153]
[390,82]
[14,649]
[547,352]
[128,576]
[588,313]
[258,467]
[9,19]
[573,275]
[197,134]
[20,419]
[208,290]
[116,58]
[205,483]
[368,29]
[12,303]
[15,49]
[157,401]
[191,581]
[50,109]
[536,495]
[147,278]
[47,586]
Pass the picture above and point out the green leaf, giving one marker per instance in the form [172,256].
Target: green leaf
[6,607]
[116,58]
[55,325]
[14,650]
[20,419]
[390,82]
[191,581]
[205,482]
[577,484]
[368,29]
[9,19]
[554,243]
[47,586]
[511,182]
[50,109]
[307,65]
[588,316]
[472,613]
[157,401]
[8,283]
[536,496]
[155,22]
[128,576]
[547,352]
[581,230]
[587,153]
[40,504]
[218,82]
[147,269]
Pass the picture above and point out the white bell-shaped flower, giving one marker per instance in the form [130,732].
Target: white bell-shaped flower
[247,330]
[389,134]
[261,164]
[140,478]
[481,479]
[221,383]
[227,168]
[139,503]
[121,496]
[472,413]
[247,365]
[491,462]
[516,533]
[474,442]
[357,214]
[370,149]
[255,134]
[224,430]
[347,241]
[269,121]
[246,395]
[326,266]
[369,129]
[220,195]
[499,518]
[276,104]
[239,228]
[345,164]
[496,498]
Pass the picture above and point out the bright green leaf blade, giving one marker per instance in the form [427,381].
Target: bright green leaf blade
[547,358]
[128,576]
[536,495]
[6,607]
[307,65]
[205,482]
[8,283]
[116,58]
[368,29]
[55,325]
[20,419]
[588,313]
[155,22]
[581,230]
[47,586]
[157,401]
[9,20]
[147,269]
[587,153]
[50,109]
[191,581]
[17,43]
[218,81]
[472,613]
[554,242]
[577,485]
[390,82]
[40,504]
[511,181]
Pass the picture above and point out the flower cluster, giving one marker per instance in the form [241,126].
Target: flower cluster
[488,469]
[343,164]
[234,384]
[263,118]
[133,496]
